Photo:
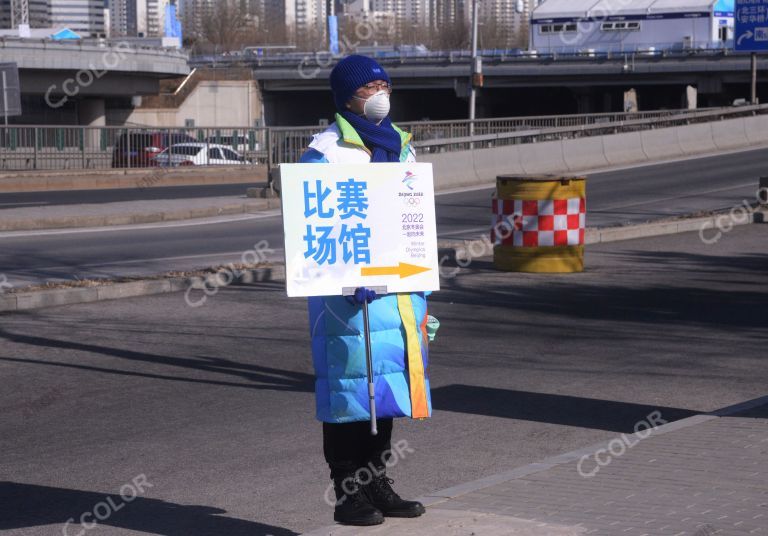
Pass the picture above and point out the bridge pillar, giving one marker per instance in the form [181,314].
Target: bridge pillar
[630,101]
[690,98]
[92,113]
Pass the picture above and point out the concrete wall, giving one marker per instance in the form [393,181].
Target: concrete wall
[468,168]
[230,103]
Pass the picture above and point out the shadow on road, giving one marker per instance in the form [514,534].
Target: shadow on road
[760,412]
[261,377]
[27,505]
[688,303]
[620,417]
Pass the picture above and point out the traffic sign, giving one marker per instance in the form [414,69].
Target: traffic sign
[751,25]
[10,90]
[359,225]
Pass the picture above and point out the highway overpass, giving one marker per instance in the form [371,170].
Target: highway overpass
[295,89]
[79,82]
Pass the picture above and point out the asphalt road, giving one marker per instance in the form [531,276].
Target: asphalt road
[214,406]
[615,197]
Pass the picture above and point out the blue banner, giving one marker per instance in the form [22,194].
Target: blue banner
[333,34]
[172,23]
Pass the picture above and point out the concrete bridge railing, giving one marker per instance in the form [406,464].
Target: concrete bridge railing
[578,155]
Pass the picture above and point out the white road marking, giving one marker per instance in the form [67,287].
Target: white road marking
[676,197]
[482,230]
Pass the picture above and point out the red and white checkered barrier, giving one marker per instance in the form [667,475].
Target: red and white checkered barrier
[554,222]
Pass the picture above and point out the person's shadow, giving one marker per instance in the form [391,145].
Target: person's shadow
[27,505]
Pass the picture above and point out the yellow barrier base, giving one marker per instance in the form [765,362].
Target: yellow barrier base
[558,259]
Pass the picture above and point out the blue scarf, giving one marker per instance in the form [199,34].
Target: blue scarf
[382,140]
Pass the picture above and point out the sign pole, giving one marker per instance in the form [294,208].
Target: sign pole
[754,78]
[5,100]
[369,368]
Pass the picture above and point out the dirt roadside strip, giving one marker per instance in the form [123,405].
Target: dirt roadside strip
[709,227]
[106,179]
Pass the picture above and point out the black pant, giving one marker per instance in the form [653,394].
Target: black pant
[350,446]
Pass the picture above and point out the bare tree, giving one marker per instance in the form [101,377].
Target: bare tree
[452,36]
[227,25]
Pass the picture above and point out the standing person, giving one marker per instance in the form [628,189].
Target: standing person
[363,133]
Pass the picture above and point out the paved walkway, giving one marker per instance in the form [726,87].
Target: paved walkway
[701,476]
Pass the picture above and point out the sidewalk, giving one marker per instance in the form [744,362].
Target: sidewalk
[700,476]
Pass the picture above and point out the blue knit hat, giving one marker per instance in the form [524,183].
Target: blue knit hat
[352,73]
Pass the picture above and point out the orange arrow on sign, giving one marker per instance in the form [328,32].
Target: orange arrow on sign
[403,270]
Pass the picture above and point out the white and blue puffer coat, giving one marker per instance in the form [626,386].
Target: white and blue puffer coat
[397,324]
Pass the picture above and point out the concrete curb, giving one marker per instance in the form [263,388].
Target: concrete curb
[69,296]
[446,494]
[106,220]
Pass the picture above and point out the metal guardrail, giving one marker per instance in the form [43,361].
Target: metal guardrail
[53,148]
[676,49]
[58,148]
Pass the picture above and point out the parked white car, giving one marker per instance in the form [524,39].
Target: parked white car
[198,154]
[238,143]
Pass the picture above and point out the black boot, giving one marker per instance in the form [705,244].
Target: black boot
[383,497]
[352,505]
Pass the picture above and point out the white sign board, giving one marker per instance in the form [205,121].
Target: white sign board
[359,225]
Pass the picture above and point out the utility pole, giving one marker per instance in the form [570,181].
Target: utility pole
[476,79]
[753,100]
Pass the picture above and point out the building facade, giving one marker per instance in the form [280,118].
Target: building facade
[646,26]
[137,18]
[86,17]
[39,14]
[193,13]
[507,19]
[155,17]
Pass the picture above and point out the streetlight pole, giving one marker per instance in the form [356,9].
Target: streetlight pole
[475,72]
[753,99]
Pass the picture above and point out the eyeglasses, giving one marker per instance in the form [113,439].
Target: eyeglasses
[374,87]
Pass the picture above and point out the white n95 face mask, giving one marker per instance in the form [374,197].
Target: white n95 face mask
[376,106]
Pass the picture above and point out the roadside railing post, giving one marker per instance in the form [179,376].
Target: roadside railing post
[34,144]
[81,141]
